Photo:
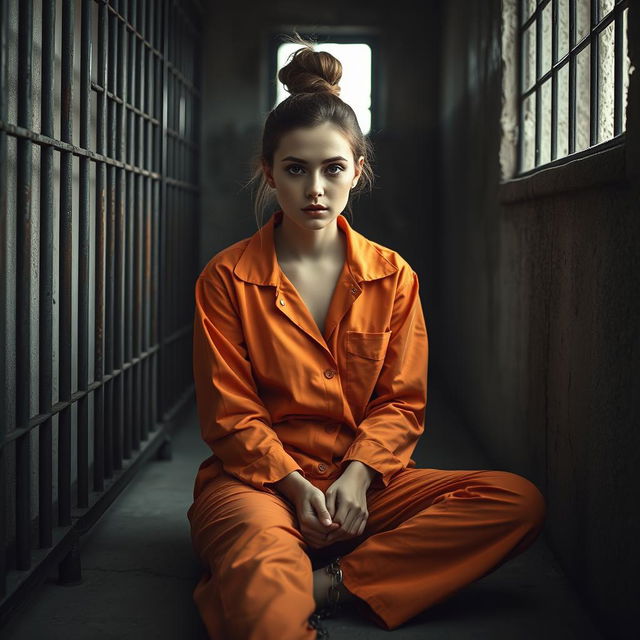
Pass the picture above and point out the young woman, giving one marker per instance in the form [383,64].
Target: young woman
[310,364]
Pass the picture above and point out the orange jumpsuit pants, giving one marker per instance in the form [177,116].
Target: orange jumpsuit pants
[429,533]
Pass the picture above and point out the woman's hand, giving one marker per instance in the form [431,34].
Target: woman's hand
[346,501]
[314,519]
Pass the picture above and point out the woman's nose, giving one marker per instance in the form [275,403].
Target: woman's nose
[315,187]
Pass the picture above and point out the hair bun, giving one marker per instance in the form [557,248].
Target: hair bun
[311,71]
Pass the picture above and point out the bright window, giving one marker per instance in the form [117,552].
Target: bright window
[355,85]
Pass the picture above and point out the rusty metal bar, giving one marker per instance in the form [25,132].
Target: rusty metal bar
[99,440]
[66,254]
[110,250]
[23,292]
[7,299]
[119,251]
[45,350]
[129,401]
[84,244]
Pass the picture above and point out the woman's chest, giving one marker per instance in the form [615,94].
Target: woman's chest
[315,288]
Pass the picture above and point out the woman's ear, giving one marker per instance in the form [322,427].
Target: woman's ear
[268,174]
[358,171]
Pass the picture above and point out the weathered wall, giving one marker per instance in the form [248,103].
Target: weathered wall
[538,313]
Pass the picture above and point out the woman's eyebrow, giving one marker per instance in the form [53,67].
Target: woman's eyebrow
[301,161]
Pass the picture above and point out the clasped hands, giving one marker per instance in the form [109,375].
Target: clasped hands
[339,514]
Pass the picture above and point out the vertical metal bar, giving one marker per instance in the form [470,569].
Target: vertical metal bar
[110,251]
[144,230]
[619,69]
[554,80]
[7,302]
[101,186]
[65,253]
[140,86]
[147,86]
[129,392]
[23,290]
[134,199]
[83,257]
[594,82]
[147,215]
[538,23]
[119,251]
[521,62]
[572,76]
[164,208]
[140,433]
[45,349]
[157,209]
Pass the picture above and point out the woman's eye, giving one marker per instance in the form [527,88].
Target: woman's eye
[293,169]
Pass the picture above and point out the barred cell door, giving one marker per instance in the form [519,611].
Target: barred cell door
[99,129]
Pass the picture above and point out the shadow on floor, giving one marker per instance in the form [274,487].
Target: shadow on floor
[139,569]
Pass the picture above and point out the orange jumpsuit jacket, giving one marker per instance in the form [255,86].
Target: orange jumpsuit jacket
[275,395]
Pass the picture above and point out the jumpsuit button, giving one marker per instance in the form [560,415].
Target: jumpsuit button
[329,373]
[354,290]
[282,302]
[322,467]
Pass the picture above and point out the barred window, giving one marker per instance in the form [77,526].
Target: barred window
[573,76]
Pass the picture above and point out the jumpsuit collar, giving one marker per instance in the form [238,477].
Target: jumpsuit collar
[258,263]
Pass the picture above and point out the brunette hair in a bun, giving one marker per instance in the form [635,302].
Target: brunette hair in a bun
[312,78]
[311,71]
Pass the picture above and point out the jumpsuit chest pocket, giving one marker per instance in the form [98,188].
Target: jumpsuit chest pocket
[366,351]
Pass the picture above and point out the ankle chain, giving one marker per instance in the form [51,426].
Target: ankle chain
[322,633]
[335,571]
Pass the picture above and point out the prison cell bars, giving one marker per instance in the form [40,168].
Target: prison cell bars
[597,24]
[146,203]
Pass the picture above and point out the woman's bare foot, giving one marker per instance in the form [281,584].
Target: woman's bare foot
[321,584]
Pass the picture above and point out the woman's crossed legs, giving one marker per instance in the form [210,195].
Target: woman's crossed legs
[429,533]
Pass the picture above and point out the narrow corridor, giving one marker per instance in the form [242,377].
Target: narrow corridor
[139,570]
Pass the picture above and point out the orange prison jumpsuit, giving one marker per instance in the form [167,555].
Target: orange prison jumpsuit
[274,396]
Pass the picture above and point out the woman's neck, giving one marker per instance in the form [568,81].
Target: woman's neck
[293,243]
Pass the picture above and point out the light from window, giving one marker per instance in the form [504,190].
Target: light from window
[355,85]
[574,76]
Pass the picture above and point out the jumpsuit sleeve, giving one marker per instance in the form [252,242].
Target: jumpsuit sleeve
[394,417]
[234,422]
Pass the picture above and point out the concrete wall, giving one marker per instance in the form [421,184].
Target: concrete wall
[538,313]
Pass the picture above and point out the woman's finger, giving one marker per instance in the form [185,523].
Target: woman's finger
[320,511]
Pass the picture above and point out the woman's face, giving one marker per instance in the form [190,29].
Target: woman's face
[313,166]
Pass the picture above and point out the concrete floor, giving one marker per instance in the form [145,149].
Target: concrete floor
[139,569]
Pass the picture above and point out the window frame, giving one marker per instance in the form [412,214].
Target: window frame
[602,163]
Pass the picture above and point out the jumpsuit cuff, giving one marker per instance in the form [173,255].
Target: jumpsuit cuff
[269,468]
[373,454]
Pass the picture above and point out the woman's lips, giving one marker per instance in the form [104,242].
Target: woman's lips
[315,212]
